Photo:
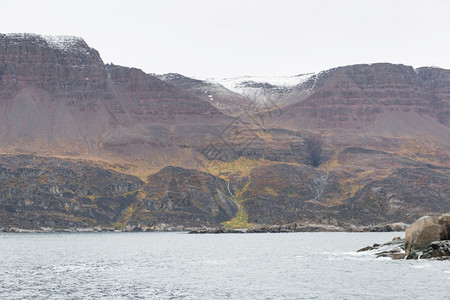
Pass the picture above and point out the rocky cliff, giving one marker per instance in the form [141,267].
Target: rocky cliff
[37,192]
[58,97]
[376,99]
[49,192]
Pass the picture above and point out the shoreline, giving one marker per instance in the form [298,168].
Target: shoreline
[286,228]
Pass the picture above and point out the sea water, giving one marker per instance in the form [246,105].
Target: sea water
[224,266]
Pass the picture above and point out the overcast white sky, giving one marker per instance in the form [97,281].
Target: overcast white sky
[208,38]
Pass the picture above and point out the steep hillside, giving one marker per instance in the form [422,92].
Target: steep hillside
[58,98]
[378,99]
[49,192]
[40,192]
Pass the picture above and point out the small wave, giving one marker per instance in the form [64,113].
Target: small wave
[348,256]
[210,262]
[425,266]
[70,268]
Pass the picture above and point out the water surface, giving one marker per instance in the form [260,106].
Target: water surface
[224,266]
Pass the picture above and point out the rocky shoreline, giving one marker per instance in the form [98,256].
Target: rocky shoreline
[159,228]
[426,238]
[285,228]
[307,227]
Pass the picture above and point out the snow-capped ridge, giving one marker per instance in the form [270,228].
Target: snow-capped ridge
[263,89]
[168,76]
[237,83]
[59,42]
[62,42]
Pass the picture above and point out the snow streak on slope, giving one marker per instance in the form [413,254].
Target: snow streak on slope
[280,90]
[236,84]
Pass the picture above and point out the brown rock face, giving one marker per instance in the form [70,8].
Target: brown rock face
[66,66]
[421,233]
[281,192]
[378,98]
[180,196]
[444,222]
[57,96]
[406,194]
[49,192]
[435,82]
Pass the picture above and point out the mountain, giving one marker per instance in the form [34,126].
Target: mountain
[378,98]
[85,144]
[59,98]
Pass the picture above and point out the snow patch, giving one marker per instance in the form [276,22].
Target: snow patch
[62,42]
[235,84]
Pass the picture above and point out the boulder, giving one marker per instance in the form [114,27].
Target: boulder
[426,238]
[444,222]
[437,249]
[367,248]
[421,233]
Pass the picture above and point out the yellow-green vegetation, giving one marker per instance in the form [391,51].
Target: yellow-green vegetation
[426,151]
[126,217]
[129,213]
[139,172]
[351,185]
[241,218]
[349,189]
[331,165]
[91,197]
[240,193]
[136,169]
[293,195]
[270,191]
[239,221]
[140,193]
[242,166]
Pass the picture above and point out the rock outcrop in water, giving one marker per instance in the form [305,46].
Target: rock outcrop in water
[421,233]
[426,238]
[427,230]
